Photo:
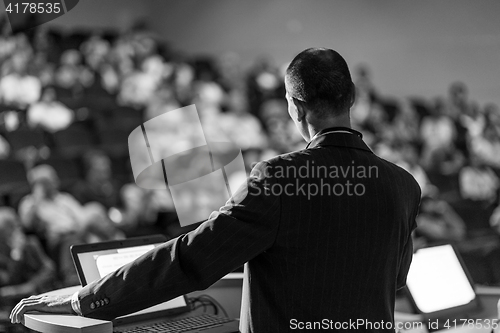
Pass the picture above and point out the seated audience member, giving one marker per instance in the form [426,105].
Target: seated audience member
[438,222]
[230,70]
[495,219]
[72,75]
[139,87]
[209,98]
[458,101]
[243,128]
[24,267]
[478,182]
[96,52]
[163,101]
[183,79]
[450,161]
[386,150]
[263,83]
[280,129]
[409,159]
[485,136]
[457,106]
[474,121]
[98,186]
[7,40]
[365,96]
[377,123]
[49,114]
[140,211]
[405,123]
[60,219]
[48,210]
[42,68]
[17,88]
[438,133]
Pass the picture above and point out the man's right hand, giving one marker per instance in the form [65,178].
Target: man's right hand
[51,304]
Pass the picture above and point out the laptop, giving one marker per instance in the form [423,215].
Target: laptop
[93,261]
[441,289]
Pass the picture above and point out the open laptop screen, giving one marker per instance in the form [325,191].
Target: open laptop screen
[438,282]
[99,263]
[94,261]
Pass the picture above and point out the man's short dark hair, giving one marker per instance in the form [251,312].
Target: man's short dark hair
[320,78]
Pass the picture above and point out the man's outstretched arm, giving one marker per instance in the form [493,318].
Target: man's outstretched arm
[235,234]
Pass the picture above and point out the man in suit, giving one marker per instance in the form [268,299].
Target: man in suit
[325,232]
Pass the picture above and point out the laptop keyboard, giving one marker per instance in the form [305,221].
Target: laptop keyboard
[180,325]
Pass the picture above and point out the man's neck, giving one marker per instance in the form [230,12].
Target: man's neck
[319,125]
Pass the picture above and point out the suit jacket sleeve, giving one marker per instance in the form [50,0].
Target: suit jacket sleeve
[230,237]
[405,264]
[408,247]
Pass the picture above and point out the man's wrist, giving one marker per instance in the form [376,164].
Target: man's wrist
[75,304]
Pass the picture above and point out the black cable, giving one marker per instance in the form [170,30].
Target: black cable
[202,302]
[214,301]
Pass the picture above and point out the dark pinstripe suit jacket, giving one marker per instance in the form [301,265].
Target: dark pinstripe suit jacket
[324,232]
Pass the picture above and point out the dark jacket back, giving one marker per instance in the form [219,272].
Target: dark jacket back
[322,249]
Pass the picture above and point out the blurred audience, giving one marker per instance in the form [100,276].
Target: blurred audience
[52,80]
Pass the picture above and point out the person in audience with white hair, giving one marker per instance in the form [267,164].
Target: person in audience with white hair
[24,267]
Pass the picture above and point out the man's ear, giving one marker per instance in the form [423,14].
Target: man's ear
[301,109]
[353,95]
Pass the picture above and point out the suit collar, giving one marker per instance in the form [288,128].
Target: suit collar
[340,137]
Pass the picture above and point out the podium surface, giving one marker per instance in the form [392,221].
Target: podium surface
[228,292]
